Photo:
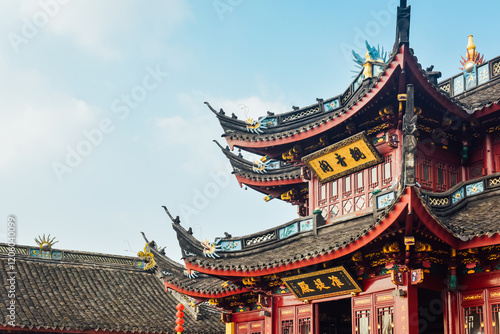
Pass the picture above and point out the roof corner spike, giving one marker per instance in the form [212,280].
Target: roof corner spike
[403,25]
[145,238]
[175,220]
[220,146]
[211,108]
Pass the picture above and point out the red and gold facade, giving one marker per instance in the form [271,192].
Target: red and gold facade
[398,193]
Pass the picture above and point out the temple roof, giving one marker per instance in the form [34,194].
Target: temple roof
[193,283]
[278,132]
[268,173]
[64,290]
[288,245]
[483,93]
[470,209]
[462,217]
[302,123]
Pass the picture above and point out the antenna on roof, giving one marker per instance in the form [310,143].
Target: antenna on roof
[402,3]
[175,220]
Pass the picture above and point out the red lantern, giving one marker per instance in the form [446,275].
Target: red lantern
[179,320]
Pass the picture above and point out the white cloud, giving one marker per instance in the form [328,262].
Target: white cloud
[195,131]
[99,27]
[36,121]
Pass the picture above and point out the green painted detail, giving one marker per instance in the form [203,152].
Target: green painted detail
[453,282]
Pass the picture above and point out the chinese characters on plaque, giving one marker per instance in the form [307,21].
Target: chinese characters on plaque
[321,284]
[348,156]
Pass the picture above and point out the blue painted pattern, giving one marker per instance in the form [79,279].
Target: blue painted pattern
[457,195]
[483,74]
[458,85]
[273,165]
[34,253]
[474,188]
[306,225]
[329,106]
[272,121]
[358,82]
[54,255]
[230,245]
[470,79]
[288,230]
[385,200]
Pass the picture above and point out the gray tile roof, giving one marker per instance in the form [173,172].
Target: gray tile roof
[477,217]
[81,294]
[175,274]
[305,245]
[482,96]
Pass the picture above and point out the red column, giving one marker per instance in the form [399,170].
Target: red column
[451,315]
[313,191]
[489,158]
[406,309]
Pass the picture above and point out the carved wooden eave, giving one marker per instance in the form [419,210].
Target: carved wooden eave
[200,294]
[402,68]
[329,242]
[276,139]
[318,245]
[422,82]
[464,216]
[279,175]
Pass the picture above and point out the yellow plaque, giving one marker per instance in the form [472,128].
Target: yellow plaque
[343,158]
[322,284]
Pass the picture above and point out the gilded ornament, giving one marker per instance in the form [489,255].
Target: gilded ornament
[147,257]
[391,248]
[45,243]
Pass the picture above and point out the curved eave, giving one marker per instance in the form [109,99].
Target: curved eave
[330,121]
[431,89]
[487,110]
[445,234]
[187,242]
[357,244]
[245,173]
[430,221]
[272,183]
[205,295]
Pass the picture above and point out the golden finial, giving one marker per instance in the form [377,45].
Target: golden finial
[473,58]
[471,48]
[45,243]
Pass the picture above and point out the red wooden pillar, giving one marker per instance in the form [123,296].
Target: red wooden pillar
[406,308]
[451,315]
[313,194]
[489,158]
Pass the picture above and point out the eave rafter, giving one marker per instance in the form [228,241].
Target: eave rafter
[375,232]
[265,145]
[206,295]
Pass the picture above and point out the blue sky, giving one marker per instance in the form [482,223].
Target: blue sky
[123,83]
